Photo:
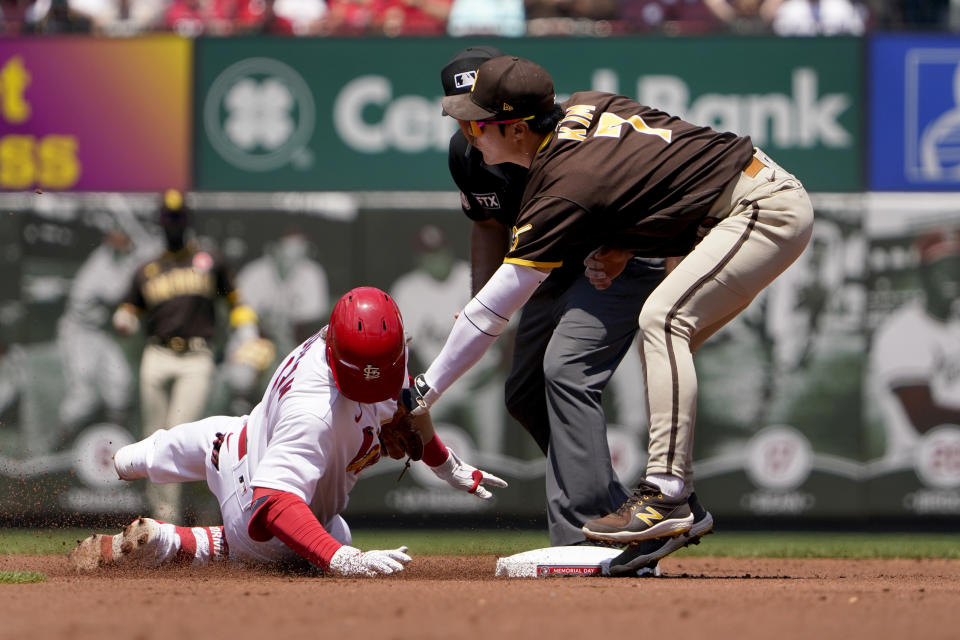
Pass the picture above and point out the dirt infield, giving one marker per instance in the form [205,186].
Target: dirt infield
[458,598]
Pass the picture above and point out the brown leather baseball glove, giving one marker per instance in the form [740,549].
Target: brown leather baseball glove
[399,438]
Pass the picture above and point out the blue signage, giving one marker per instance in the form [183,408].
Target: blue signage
[915,113]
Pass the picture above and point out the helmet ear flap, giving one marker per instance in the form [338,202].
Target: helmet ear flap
[366,348]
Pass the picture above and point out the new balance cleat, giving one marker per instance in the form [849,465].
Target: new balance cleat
[646,514]
[639,555]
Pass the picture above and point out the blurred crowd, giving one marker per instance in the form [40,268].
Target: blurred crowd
[475,17]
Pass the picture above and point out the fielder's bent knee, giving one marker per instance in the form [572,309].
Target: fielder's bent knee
[657,320]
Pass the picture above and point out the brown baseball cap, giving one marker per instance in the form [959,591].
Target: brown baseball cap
[506,87]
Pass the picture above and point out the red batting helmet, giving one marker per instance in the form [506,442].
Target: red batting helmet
[366,348]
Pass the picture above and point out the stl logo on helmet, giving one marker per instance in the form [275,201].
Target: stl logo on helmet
[371,372]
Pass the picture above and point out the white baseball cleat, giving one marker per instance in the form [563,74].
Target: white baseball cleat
[137,545]
[126,464]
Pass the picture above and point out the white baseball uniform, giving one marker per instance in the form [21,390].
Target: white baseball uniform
[304,437]
[912,348]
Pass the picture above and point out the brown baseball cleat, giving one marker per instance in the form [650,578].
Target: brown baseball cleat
[135,546]
[646,514]
[640,554]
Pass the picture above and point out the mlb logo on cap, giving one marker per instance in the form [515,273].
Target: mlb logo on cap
[465,80]
[460,72]
[506,87]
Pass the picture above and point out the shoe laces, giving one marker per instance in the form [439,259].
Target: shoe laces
[644,488]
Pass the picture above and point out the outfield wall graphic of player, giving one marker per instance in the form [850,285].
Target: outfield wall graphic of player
[914,373]
[290,294]
[95,370]
[430,297]
[288,289]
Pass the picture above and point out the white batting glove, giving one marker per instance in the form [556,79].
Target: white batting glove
[350,561]
[422,394]
[462,476]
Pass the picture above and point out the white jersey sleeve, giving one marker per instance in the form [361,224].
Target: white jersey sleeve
[482,321]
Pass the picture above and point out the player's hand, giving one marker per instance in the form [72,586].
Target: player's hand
[464,477]
[125,321]
[605,264]
[350,561]
[420,397]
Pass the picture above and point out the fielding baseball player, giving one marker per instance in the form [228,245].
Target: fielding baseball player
[915,353]
[177,293]
[283,474]
[609,173]
[570,339]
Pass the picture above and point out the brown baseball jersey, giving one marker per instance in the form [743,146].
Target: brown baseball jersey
[621,174]
[178,292]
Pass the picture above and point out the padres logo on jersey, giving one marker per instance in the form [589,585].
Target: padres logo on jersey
[515,235]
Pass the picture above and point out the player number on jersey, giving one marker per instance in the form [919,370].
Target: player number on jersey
[578,117]
[610,124]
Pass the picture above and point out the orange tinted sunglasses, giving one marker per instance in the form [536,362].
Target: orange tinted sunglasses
[476,126]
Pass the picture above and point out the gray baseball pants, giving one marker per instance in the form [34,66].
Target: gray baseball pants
[569,342]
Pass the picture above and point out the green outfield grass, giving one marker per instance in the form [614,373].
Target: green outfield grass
[502,543]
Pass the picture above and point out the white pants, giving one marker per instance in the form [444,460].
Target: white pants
[173,389]
[182,454]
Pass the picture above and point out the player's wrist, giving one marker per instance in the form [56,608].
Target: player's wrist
[326,557]
[341,560]
[435,452]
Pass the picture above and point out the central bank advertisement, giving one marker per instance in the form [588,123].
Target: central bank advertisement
[329,114]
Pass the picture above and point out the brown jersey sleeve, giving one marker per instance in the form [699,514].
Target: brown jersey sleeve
[543,233]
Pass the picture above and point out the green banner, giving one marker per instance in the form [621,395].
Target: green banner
[330,114]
